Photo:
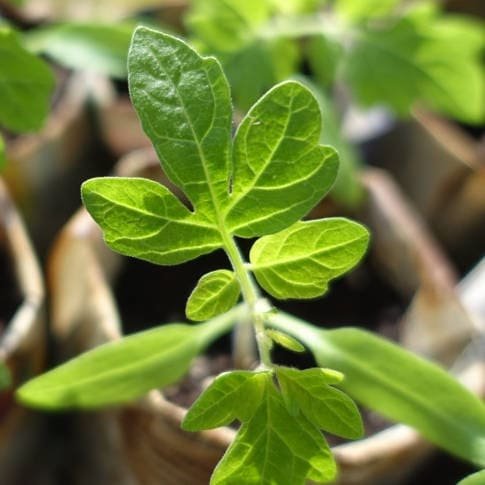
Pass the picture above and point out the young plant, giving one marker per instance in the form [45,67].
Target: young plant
[257,185]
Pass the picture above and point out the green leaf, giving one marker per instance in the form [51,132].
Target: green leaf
[364,9]
[300,261]
[477,478]
[227,25]
[26,84]
[5,379]
[92,47]
[256,67]
[232,396]
[347,189]
[285,340]
[2,153]
[420,58]
[123,370]
[142,218]
[324,55]
[280,170]
[183,102]
[275,447]
[328,408]
[215,293]
[399,385]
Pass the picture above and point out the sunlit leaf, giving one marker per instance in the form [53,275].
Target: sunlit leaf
[143,218]
[323,405]
[272,446]
[300,261]
[285,340]
[280,170]
[232,396]
[125,369]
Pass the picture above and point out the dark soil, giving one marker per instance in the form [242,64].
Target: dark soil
[10,296]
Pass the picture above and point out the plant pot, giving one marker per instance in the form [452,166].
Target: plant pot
[45,169]
[22,340]
[149,441]
[441,168]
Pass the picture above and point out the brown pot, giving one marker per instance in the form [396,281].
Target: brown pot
[441,168]
[22,340]
[147,439]
[45,169]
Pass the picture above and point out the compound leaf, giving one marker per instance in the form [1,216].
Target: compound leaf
[26,84]
[323,405]
[142,218]
[398,384]
[280,170]
[123,370]
[232,396]
[183,102]
[275,447]
[300,261]
[215,293]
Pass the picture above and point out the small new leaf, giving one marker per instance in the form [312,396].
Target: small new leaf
[285,340]
[215,293]
[325,406]
[232,396]
[273,446]
[300,261]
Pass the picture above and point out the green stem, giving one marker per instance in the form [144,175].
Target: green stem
[253,300]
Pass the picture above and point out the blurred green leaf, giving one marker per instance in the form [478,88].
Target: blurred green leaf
[398,384]
[2,153]
[5,378]
[420,58]
[227,25]
[89,47]
[26,84]
[364,9]
[215,293]
[477,478]
[123,370]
